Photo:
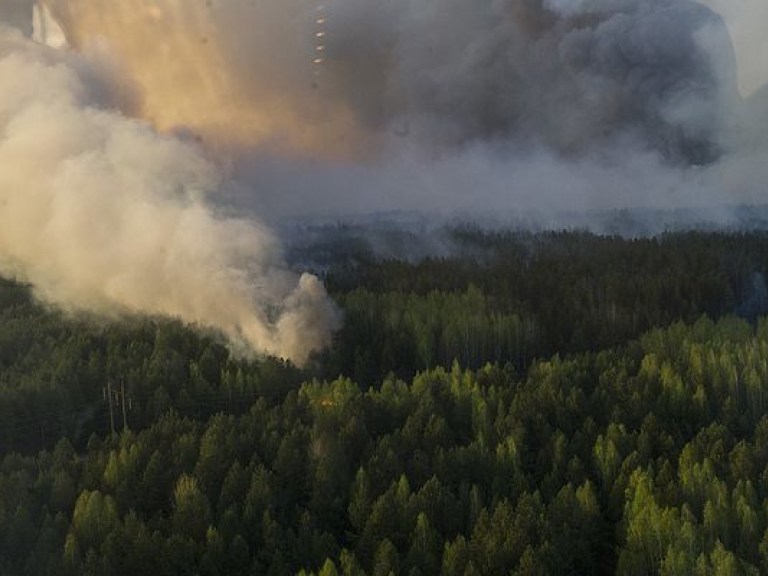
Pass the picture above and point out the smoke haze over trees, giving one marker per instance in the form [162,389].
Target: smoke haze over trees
[164,135]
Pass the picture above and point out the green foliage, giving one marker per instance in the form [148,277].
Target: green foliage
[515,297]
[558,406]
[55,369]
[584,465]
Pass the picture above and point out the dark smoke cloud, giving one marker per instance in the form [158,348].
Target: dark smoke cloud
[522,106]
[568,76]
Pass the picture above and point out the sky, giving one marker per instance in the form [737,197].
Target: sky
[746,20]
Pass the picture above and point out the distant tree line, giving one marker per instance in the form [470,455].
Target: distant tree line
[651,458]
[514,297]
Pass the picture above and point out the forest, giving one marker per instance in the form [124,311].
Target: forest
[515,403]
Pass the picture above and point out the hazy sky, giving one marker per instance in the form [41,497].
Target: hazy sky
[746,21]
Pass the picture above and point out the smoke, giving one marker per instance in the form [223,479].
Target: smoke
[273,108]
[569,76]
[102,213]
[443,105]
[530,105]
[236,73]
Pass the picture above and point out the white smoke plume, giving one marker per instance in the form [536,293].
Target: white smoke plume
[100,212]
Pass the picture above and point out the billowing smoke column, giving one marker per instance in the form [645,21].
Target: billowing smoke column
[102,213]
[564,74]
[568,75]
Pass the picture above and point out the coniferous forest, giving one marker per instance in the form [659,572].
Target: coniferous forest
[523,403]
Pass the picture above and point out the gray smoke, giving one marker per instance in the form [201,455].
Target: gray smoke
[530,105]
[572,77]
[567,76]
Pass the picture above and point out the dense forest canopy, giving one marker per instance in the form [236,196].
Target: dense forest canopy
[550,403]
